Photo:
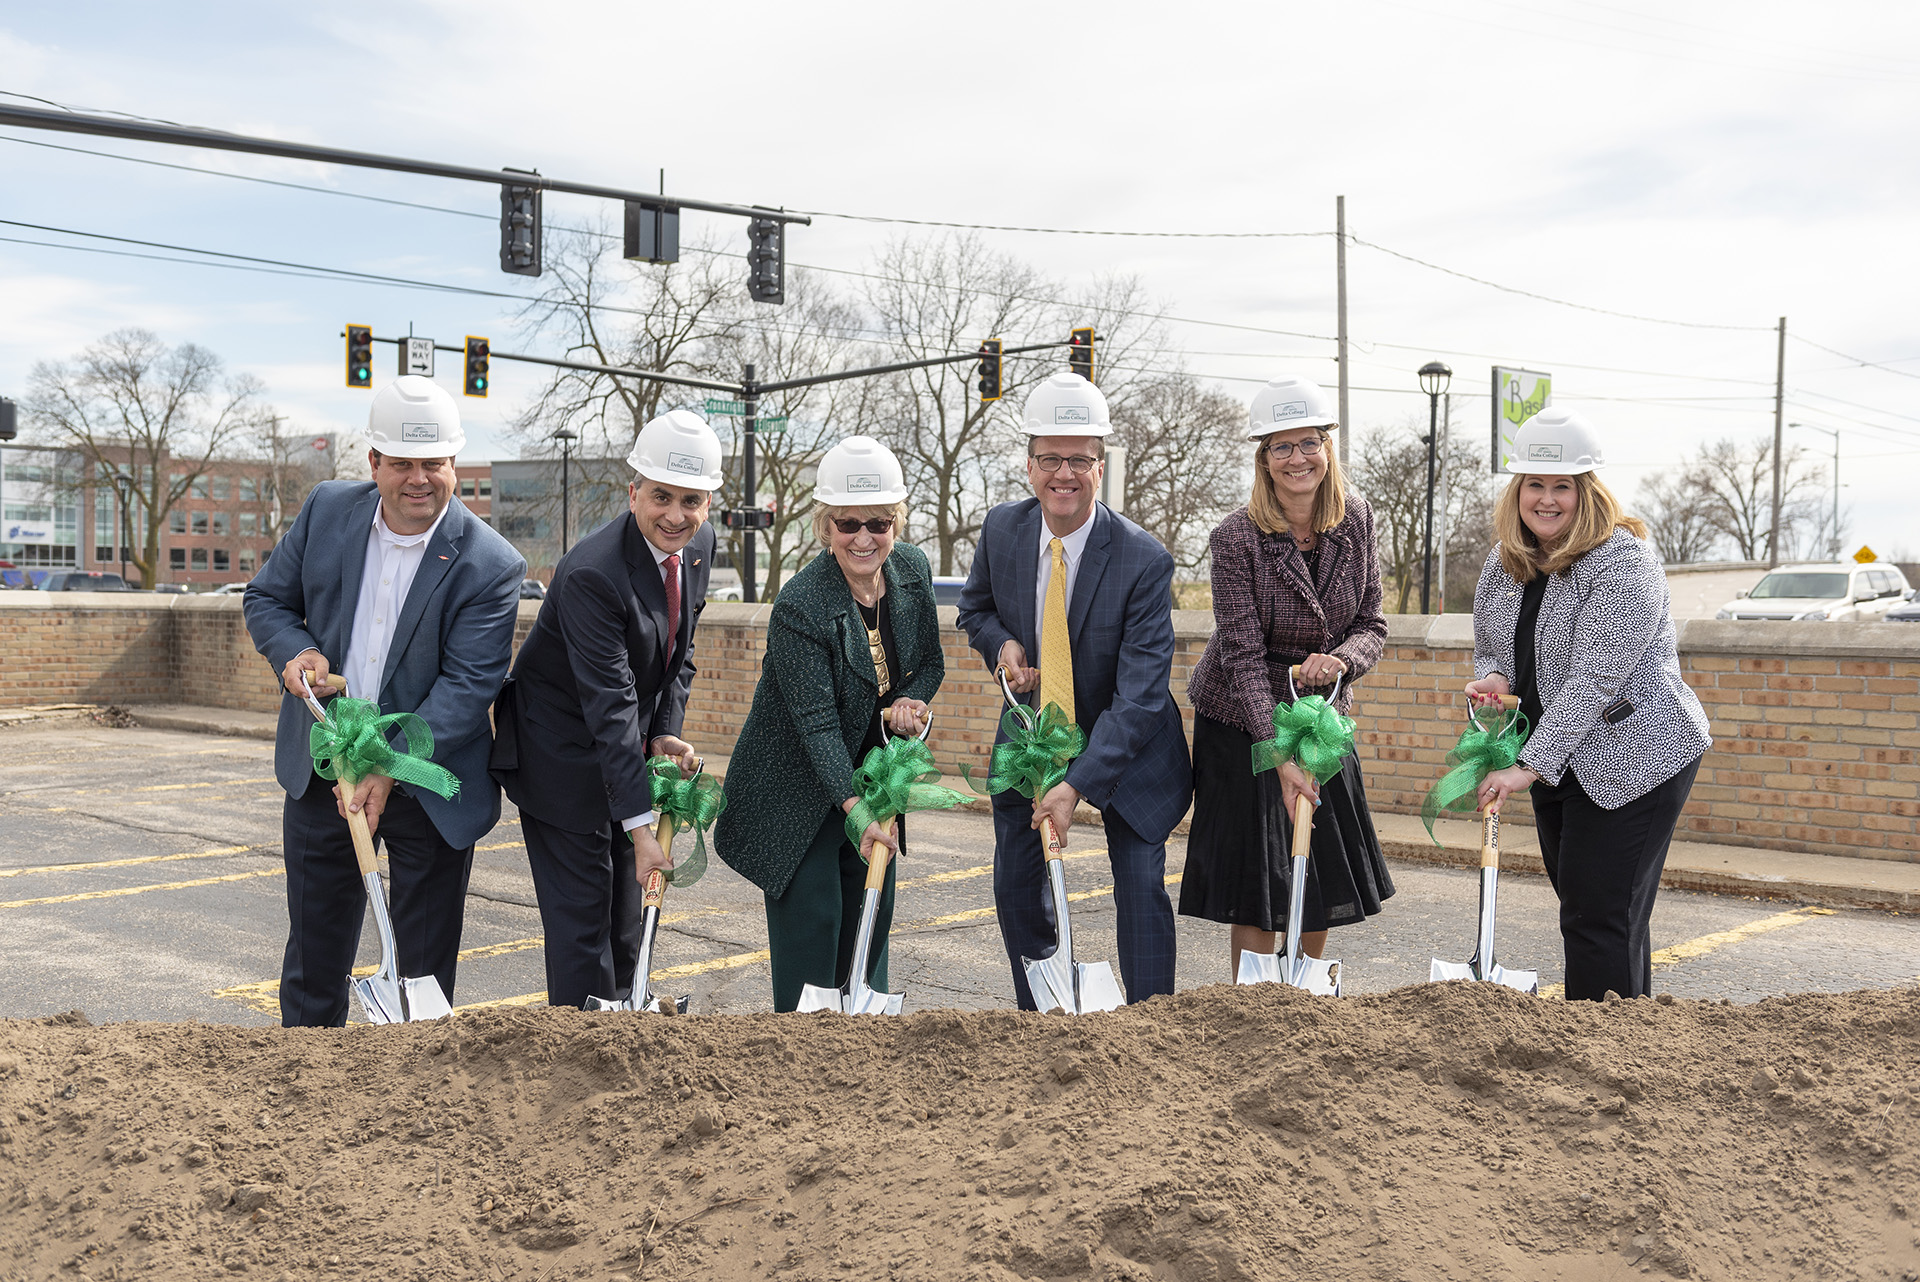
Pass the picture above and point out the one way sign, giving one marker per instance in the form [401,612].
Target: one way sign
[416,356]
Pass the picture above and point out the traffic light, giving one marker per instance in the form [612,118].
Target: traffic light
[766,260]
[990,370]
[9,420]
[1080,352]
[359,356]
[519,227]
[479,361]
[653,232]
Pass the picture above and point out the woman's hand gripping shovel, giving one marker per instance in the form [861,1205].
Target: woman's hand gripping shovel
[1035,757]
[342,747]
[1480,751]
[1310,731]
[896,777]
[693,802]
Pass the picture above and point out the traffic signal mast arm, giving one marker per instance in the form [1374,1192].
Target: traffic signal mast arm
[180,135]
[870,370]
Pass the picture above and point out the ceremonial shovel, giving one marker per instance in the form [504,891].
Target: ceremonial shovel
[1483,966]
[1314,974]
[857,996]
[1058,982]
[384,996]
[641,996]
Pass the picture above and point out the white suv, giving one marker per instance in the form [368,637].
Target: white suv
[1836,591]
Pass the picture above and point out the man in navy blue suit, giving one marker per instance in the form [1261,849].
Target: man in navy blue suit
[398,588]
[1063,578]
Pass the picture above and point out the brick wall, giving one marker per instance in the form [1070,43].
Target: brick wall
[1816,725]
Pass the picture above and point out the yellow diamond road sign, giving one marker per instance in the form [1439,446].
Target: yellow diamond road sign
[1865,554]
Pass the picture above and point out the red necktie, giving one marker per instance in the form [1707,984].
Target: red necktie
[673,603]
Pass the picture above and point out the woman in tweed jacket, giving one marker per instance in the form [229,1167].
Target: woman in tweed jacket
[1572,615]
[1296,580]
[854,639]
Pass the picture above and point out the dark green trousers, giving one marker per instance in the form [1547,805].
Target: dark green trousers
[811,928]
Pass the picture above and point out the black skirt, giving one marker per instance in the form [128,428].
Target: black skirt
[1240,848]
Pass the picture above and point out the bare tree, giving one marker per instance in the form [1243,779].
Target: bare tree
[1187,459]
[1734,482]
[130,403]
[1390,472]
[1676,517]
[1470,491]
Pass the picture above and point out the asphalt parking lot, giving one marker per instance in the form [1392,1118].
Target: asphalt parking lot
[141,878]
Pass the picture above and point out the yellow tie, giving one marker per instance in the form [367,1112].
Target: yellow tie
[1056,651]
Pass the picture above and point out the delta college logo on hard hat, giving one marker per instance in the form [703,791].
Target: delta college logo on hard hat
[1541,453]
[419,431]
[692,464]
[1284,410]
[863,483]
[1074,415]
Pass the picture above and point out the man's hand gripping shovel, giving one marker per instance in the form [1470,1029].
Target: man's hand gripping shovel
[1314,974]
[1482,966]
[386,997]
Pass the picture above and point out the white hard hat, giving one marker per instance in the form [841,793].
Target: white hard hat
[678,448]
[414,417]
[1067,405]
[1287,403]
[1556,442]
[859,472]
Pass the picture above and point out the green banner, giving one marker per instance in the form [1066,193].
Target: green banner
[1518,394]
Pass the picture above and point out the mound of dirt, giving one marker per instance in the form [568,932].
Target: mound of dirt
[1455,1131]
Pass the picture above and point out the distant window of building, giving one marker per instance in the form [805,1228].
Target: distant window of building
[246,560]
[221,561]
[199,487]
[486,487]
[249,523]
[466,489]
[222,523]
[199,558]
[176,558]
[249,490]
[222,488]
[199,522]
[177,521]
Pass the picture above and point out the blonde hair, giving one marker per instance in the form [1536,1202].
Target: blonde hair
[1598,516]
[824,517]
[1329,501]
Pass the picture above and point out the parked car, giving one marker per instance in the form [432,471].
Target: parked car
[946,588]
[84,581]
[174,588]
[724,592]
[1839,590]
[1908,611]
[532,590]
[229,589]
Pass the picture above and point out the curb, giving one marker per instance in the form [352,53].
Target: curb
[199,724]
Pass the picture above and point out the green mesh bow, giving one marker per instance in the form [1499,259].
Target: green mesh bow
[1034,757]
[1479,753]
[898,776]
[1308,731]
[352,743]
[691,803]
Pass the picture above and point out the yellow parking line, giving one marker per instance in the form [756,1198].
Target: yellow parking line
[141,890]
[504,845]
[1668,958]
[980,870]
[216,853]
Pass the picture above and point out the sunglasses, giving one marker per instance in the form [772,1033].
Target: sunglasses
[849,525]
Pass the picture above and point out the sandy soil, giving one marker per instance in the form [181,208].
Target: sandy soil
[1227,1133]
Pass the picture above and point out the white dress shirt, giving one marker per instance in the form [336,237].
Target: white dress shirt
[660,563]
[392,561]
[1072,547]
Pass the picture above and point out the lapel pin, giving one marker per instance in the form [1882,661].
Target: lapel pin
[443,557]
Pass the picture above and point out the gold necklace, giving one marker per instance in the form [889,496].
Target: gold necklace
[878,649]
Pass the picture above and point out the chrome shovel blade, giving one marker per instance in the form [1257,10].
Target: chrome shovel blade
[1078,988]
[1315,975]
[1525,981]
[858,997]
[651,1002]
[385,997]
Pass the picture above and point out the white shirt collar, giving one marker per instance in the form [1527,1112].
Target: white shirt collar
[405,540]
[1072,542]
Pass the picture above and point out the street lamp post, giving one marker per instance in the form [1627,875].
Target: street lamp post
[1833,539]
[1434,378]
[566,437]
[121,482]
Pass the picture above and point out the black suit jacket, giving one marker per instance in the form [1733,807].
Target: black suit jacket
[592,686]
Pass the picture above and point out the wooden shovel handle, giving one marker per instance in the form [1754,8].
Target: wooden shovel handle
[1490,838]
[1508,702]
[877,856]
[1302,825]
[356,819]
[1049,842]
[654,889]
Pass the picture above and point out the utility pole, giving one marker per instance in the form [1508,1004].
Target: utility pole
[1779,426]
[750,396]
[1340,257]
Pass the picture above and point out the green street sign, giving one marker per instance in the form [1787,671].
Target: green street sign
[733,409]
[778,423]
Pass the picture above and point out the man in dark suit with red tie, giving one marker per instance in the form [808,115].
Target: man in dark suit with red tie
[600,685]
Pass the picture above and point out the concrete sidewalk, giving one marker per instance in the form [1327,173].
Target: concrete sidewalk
[1830,880]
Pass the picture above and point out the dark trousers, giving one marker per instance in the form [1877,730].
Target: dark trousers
[1025,904]
[812,927]
[327,901]
[589,909]
[1605,866]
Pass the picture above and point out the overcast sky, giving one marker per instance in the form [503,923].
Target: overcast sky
[1720,164]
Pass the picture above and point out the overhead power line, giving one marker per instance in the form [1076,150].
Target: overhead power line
[1071,231]
[1857,360]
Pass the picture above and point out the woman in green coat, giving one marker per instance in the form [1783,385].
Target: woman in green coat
[854,639]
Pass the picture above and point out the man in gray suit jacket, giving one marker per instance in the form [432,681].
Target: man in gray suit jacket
[398,588]
[1116,601]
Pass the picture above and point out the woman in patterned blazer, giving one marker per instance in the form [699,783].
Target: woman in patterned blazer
[1572,615]
[1296,580]
[854,640]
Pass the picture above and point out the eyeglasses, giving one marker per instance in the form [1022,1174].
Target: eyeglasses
[1284,449]
[1078,464]
[849,525]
